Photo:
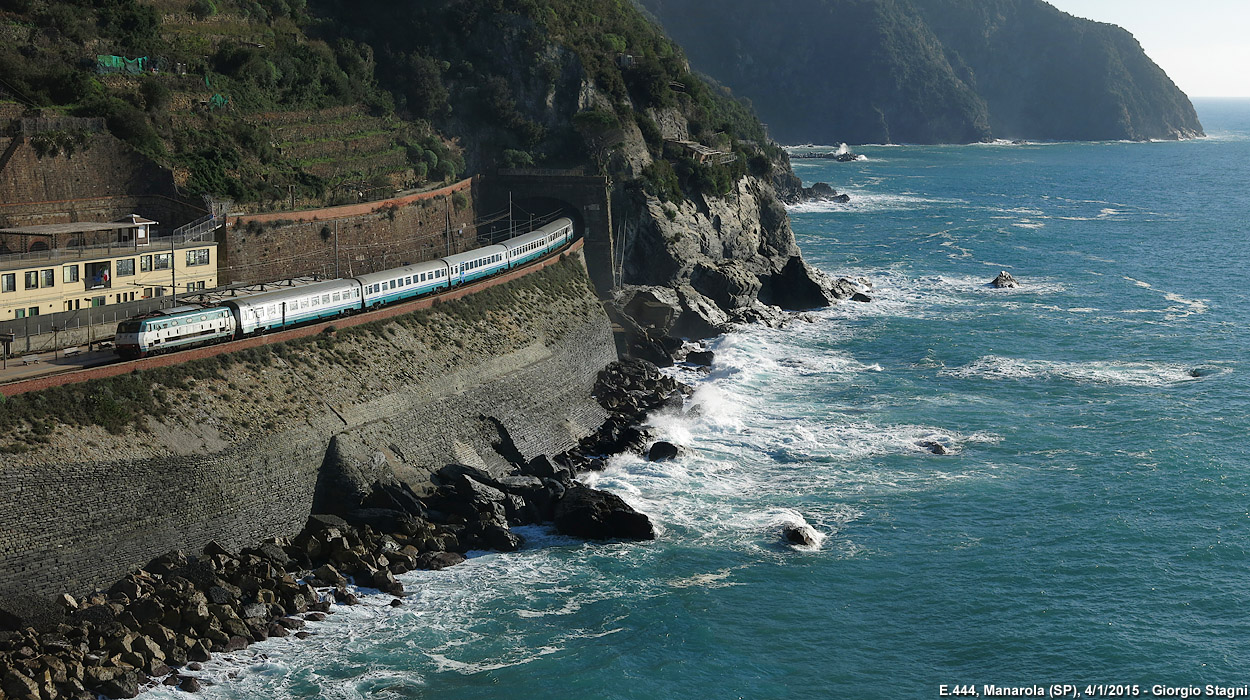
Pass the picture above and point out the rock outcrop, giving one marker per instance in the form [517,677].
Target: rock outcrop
[802,535]
[1004,280]
[594,514]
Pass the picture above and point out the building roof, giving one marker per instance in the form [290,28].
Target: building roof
[132,221]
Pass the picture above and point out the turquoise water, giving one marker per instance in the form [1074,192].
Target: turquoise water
[1090,526]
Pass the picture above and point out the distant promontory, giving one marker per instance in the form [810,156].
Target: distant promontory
[930,71]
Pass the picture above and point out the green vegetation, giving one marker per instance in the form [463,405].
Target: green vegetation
[332,101]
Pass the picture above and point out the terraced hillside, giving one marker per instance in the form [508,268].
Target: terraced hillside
[240,99]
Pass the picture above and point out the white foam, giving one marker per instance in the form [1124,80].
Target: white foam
[1096,372]
[868,201]
[1181,307]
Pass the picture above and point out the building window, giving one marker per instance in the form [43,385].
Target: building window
[197,257]
[126,268]
[32,280]
[163,261]
[97,301]
[71,274]
[47,278]
[201,285]
[190,286]
[32,311]
[8,283]
[145,263]
[98,275]
[19,313]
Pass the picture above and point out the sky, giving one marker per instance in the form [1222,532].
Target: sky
[1203,45]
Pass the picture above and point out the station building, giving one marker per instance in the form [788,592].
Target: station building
[53,268]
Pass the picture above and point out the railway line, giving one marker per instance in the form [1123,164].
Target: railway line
[20,379]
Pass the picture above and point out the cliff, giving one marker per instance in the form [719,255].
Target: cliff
[931,71]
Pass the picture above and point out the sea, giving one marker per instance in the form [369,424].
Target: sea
[1089,524]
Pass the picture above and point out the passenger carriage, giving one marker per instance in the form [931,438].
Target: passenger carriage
[187,326]
[463,268]
[533,245]
[402,283]
[173,329]
[266,311]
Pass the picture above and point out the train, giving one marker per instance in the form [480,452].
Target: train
[184,327]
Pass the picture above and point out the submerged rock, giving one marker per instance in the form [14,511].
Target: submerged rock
[935,447]
[594,514]
[1004,280]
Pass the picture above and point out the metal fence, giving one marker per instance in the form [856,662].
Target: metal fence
[29,126]
[199,230]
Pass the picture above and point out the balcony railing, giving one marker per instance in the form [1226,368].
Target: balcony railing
[95,250]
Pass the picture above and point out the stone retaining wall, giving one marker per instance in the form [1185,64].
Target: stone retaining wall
[241,455]
[366,237]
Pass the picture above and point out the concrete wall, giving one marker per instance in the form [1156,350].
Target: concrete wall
[237,457]
[367,237]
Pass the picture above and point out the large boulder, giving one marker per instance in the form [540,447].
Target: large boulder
[436,561]
[595,514]
[797,286]
[662,451]
[703,358]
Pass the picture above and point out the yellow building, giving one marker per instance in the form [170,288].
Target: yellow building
[65,267]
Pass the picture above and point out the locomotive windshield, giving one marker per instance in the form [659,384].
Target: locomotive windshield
[128,327]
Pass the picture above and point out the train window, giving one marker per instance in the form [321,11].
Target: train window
[325,298]
[337,297]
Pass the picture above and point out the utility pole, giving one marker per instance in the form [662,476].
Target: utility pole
[447,210]
[173,274]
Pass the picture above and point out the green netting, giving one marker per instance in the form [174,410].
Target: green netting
[120,64]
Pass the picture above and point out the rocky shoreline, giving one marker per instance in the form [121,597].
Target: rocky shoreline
[178,610]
